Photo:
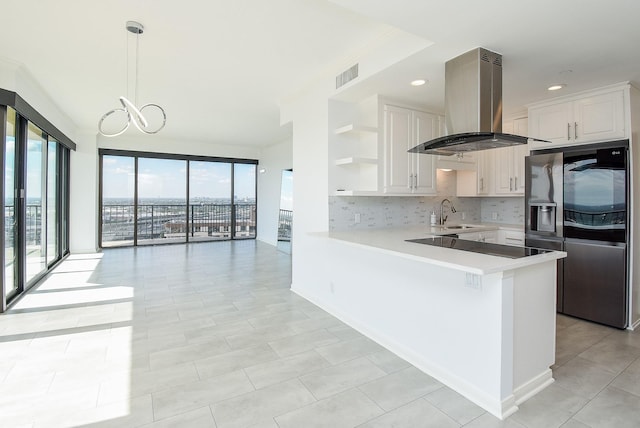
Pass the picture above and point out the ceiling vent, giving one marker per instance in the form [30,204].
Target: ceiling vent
[347,76]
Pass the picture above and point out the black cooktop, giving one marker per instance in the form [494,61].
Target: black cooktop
[490,249]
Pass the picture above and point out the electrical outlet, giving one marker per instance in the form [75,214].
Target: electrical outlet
[356,218]
[494,215]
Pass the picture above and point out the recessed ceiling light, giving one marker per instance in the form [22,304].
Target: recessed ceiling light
[556,87]
[418,82]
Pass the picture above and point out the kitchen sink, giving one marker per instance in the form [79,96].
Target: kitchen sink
[443,229]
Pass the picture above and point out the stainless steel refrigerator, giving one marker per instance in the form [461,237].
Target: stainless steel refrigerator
[576,200]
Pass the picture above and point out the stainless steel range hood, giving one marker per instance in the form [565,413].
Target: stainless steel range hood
[473,106]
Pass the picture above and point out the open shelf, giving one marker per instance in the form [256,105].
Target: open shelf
[355,161]
[355,129]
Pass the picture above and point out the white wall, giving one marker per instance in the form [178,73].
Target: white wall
[273,160]
[83,212]
[309,116]
[157,143]
[14,77]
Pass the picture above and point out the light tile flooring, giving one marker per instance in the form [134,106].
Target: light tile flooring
[208,335]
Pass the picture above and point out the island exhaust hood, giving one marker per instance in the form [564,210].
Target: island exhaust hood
[473,106]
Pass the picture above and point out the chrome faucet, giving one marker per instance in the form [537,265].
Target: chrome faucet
[443,218]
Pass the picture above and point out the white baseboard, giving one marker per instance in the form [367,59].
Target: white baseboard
[533,386]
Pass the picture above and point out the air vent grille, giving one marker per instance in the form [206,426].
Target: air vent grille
[347,76]
[491,57]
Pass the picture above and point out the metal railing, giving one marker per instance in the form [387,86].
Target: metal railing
[164,223]
[33,224]
[285,222]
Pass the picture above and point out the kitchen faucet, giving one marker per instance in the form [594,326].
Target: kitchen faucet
[443,218]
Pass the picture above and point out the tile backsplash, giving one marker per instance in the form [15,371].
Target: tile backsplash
[502,210]
[397,211]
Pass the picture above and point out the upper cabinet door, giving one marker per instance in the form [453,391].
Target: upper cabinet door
[599,117]
[398,177]
[404,172]
[424,166]
[503,172]
[552,122]
[519,153]
[588,118]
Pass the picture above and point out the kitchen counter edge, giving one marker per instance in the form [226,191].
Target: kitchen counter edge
[392,242]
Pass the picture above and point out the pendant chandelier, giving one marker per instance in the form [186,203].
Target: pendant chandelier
[121,118]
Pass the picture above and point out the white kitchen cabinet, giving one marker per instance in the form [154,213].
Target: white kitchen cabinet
[511,237]
[508,162]
[587,117]
[479,181]
[408,173]
[497,171]
[509,170]
[490,236]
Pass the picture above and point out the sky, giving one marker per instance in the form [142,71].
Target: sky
[166,178]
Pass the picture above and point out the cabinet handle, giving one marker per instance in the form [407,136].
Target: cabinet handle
[510,184]
[568,131]
[515,183]
[575,130]
[481,183]
[415,179]
[410,186]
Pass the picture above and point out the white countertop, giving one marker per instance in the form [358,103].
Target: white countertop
[392,242]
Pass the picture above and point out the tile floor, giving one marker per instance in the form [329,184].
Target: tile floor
[208,335]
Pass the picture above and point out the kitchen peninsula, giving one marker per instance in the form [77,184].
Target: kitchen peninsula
[483,325]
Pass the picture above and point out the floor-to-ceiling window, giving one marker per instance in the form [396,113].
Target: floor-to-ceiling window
[162,201]
[53,197]
[209,200]
[155,198]
[35,195]
[35,190]
[10,197]
[118,196]
[244,198]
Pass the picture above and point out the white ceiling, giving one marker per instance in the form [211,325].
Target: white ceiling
[220,68]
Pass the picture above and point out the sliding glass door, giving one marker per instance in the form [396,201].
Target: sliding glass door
[162,201]
[209,200]
[118,196]
[52,198]
[35,214]
[35,199]
[10,205]
[244,200]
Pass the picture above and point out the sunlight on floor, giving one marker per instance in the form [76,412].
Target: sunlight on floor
[68,341]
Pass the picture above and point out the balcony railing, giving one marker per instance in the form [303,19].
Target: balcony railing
[33,225]
[168,223]
[285,221]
